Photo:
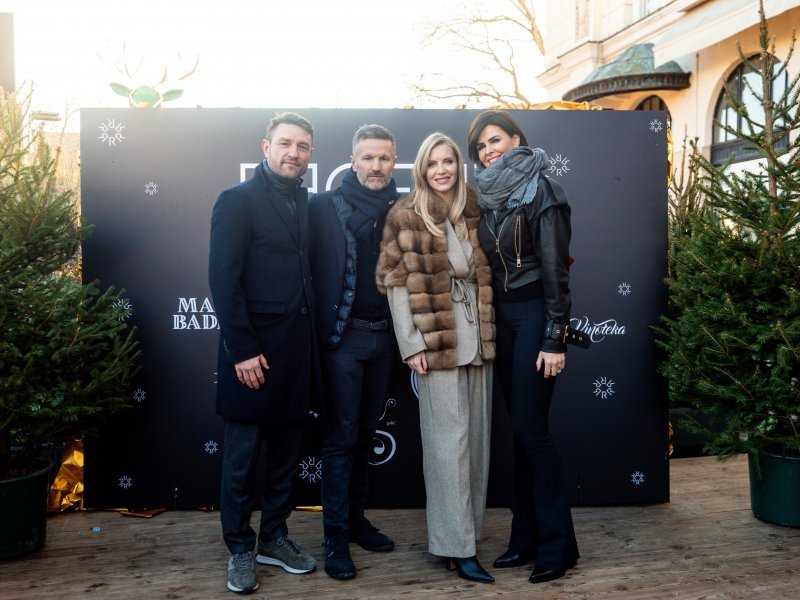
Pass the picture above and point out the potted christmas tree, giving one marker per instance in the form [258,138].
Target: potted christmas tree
[733,340]
[66,358]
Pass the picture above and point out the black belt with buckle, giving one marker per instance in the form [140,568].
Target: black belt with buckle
[363,325]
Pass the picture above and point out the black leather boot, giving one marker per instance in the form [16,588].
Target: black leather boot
[470,568]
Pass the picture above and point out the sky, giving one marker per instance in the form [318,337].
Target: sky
[290,54]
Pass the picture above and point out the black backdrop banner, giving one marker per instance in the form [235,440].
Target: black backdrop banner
[149,180]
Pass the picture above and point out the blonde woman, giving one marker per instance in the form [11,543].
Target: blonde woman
[438,282]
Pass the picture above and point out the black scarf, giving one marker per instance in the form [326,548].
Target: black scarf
[369,208]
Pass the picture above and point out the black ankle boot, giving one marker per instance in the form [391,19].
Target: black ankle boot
[470,568]
[338,563]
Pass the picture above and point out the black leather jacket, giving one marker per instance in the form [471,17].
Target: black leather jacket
[530,244]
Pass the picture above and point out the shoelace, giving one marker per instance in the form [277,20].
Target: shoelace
[293,546]
[243,560]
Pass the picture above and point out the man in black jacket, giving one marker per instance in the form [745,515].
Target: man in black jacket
[356,338]
[260,280]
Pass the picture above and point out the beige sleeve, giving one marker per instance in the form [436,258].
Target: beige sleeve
[409,338]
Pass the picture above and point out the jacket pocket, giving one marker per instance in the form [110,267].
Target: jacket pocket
[267,307]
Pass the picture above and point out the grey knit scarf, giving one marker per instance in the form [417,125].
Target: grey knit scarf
[510,181]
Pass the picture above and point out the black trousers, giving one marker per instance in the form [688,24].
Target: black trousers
[243,447]
[356,375]
[542,522]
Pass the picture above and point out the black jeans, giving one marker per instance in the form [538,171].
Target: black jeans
[542,522]
[357,374]
[243,445]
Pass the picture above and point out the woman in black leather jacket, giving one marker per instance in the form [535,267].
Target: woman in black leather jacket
[525,232]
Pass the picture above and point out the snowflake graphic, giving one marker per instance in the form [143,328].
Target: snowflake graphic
[139,395]
[111,132]
[126,305]
[637,478]
[211,447]
[656,126]
[151,188]
[604,388]
[125,482]
[624,288]
[311,469]
[558,165]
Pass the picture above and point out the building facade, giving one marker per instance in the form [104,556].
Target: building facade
[673,55]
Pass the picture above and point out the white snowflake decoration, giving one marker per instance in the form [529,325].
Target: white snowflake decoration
[125,482]
[637,478]
[111,132]
[656,126]
[151,188]
[311,469]
[125,304]
[558,165]
[139,395]
[604,388]
[624,288]
[211,447]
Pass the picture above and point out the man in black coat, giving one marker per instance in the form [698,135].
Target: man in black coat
[356,339]
[260,281]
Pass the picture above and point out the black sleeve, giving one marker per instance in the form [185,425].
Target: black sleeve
[554,232]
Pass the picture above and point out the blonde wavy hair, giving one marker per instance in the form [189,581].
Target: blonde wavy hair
[423,195]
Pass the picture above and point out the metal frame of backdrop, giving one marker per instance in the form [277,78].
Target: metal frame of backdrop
[149,180]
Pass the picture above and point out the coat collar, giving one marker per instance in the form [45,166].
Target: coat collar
[297,226]
[439,209]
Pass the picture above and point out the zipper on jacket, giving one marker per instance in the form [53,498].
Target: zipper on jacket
[497,246]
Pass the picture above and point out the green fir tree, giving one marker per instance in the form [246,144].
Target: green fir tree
[733,336]
[66,356]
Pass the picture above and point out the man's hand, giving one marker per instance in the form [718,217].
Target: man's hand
[250,371]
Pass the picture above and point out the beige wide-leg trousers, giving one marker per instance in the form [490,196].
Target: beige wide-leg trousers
[456,419]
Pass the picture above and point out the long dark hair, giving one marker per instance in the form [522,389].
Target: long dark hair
[492,117]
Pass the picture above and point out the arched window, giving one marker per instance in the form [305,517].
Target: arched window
[655,103]
[652,103]
[739,84]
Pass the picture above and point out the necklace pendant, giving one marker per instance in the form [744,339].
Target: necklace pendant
[519,262]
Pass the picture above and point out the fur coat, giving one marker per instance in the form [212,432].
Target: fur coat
[413,257]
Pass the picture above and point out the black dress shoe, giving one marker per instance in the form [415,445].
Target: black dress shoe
[512,559]
[369,537]
[541,574]
[470,568]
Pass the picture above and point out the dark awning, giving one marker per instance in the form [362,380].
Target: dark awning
[632,71]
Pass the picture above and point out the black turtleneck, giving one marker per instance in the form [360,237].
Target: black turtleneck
[284,187]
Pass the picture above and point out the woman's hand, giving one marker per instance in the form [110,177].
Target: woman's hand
[554,363]
[418,363]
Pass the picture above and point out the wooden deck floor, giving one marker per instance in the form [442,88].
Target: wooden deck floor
[704,544]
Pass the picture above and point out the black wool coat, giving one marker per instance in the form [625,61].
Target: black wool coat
[260,281]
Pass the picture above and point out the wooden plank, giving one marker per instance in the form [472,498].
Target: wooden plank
[704,544]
